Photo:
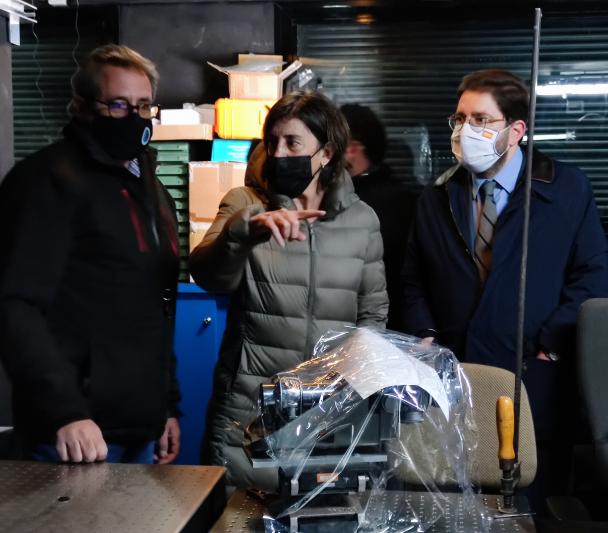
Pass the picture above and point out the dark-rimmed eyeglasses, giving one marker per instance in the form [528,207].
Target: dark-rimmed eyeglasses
[121,108]
[477,123]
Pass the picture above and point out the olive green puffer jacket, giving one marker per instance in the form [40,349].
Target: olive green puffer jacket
[283,300]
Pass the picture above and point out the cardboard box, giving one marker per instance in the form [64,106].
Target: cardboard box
[182,132]
[245,82]
[230,150]
[206,113]
[208,183]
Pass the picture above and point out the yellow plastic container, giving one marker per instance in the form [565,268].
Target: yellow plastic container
[241,119]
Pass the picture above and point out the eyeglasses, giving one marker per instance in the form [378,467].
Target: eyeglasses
[477,123]
[121,109]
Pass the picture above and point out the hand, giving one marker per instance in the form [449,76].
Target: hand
[427,341]
[167,447]
[543,356]
[81,441]
[284,224]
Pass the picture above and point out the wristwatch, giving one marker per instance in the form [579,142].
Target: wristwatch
[552,356]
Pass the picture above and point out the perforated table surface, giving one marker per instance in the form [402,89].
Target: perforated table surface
[42,497]
[244,514]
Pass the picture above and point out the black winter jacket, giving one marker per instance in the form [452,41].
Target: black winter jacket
[394,202]
[89,251]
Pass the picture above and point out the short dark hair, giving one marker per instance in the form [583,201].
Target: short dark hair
[366,128]
[509,91]
[85,82]
[322,118]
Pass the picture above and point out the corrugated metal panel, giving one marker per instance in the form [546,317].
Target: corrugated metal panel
[172,171]
[42,69]
[408,73]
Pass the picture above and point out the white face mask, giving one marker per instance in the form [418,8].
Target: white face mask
[476,150]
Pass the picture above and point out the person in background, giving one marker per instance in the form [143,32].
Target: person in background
[88,274]
[300,254]
[393,201]
[462,267]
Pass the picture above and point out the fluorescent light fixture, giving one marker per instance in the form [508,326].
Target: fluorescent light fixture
[568,136]
[555,89]
[335,6]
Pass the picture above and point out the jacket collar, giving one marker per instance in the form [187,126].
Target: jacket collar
[457,182]
[77,131]
[376,172]
[339,196]
[458,186]
[543,175]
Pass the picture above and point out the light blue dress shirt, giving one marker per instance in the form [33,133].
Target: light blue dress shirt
[506,179]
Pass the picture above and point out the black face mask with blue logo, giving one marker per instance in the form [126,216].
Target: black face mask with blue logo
[125,138]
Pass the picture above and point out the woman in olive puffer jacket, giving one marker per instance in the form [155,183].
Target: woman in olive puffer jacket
[300,254]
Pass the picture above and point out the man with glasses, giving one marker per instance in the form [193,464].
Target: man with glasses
[88,273]
[461,273]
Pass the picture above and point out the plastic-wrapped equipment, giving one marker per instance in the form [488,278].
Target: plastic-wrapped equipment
[371,419]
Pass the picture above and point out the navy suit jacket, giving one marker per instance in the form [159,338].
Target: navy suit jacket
[567,264]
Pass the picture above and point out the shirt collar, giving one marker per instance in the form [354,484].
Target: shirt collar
[133,167]
[506,177]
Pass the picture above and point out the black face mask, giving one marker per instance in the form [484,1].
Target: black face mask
[289,175]
[122,138]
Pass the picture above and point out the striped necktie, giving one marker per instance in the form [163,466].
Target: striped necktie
[485,230]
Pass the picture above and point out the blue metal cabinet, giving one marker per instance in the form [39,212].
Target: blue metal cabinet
[200,321]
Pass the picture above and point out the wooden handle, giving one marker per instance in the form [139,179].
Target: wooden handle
[505,422]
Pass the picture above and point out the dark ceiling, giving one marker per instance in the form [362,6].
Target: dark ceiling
[384,5]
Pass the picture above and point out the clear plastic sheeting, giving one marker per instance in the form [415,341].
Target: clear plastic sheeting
[372,414]
[418,141]
[304,79]
[252,65]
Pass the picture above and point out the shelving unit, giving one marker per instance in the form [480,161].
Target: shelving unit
[172,171]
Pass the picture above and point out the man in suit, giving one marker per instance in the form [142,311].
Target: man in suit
[461,273]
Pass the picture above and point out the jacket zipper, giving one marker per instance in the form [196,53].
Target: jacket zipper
[170,232]
[136,223]
[311,289]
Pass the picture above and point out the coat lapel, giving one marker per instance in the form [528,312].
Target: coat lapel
[459,196]
[509,228]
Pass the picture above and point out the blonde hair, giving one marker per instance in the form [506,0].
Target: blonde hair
[85,83]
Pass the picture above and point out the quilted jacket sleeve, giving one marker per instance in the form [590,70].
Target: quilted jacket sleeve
[373,299]
[218,262]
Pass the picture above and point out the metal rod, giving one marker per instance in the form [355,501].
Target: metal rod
[21,14]
[23,3]
[521,308]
